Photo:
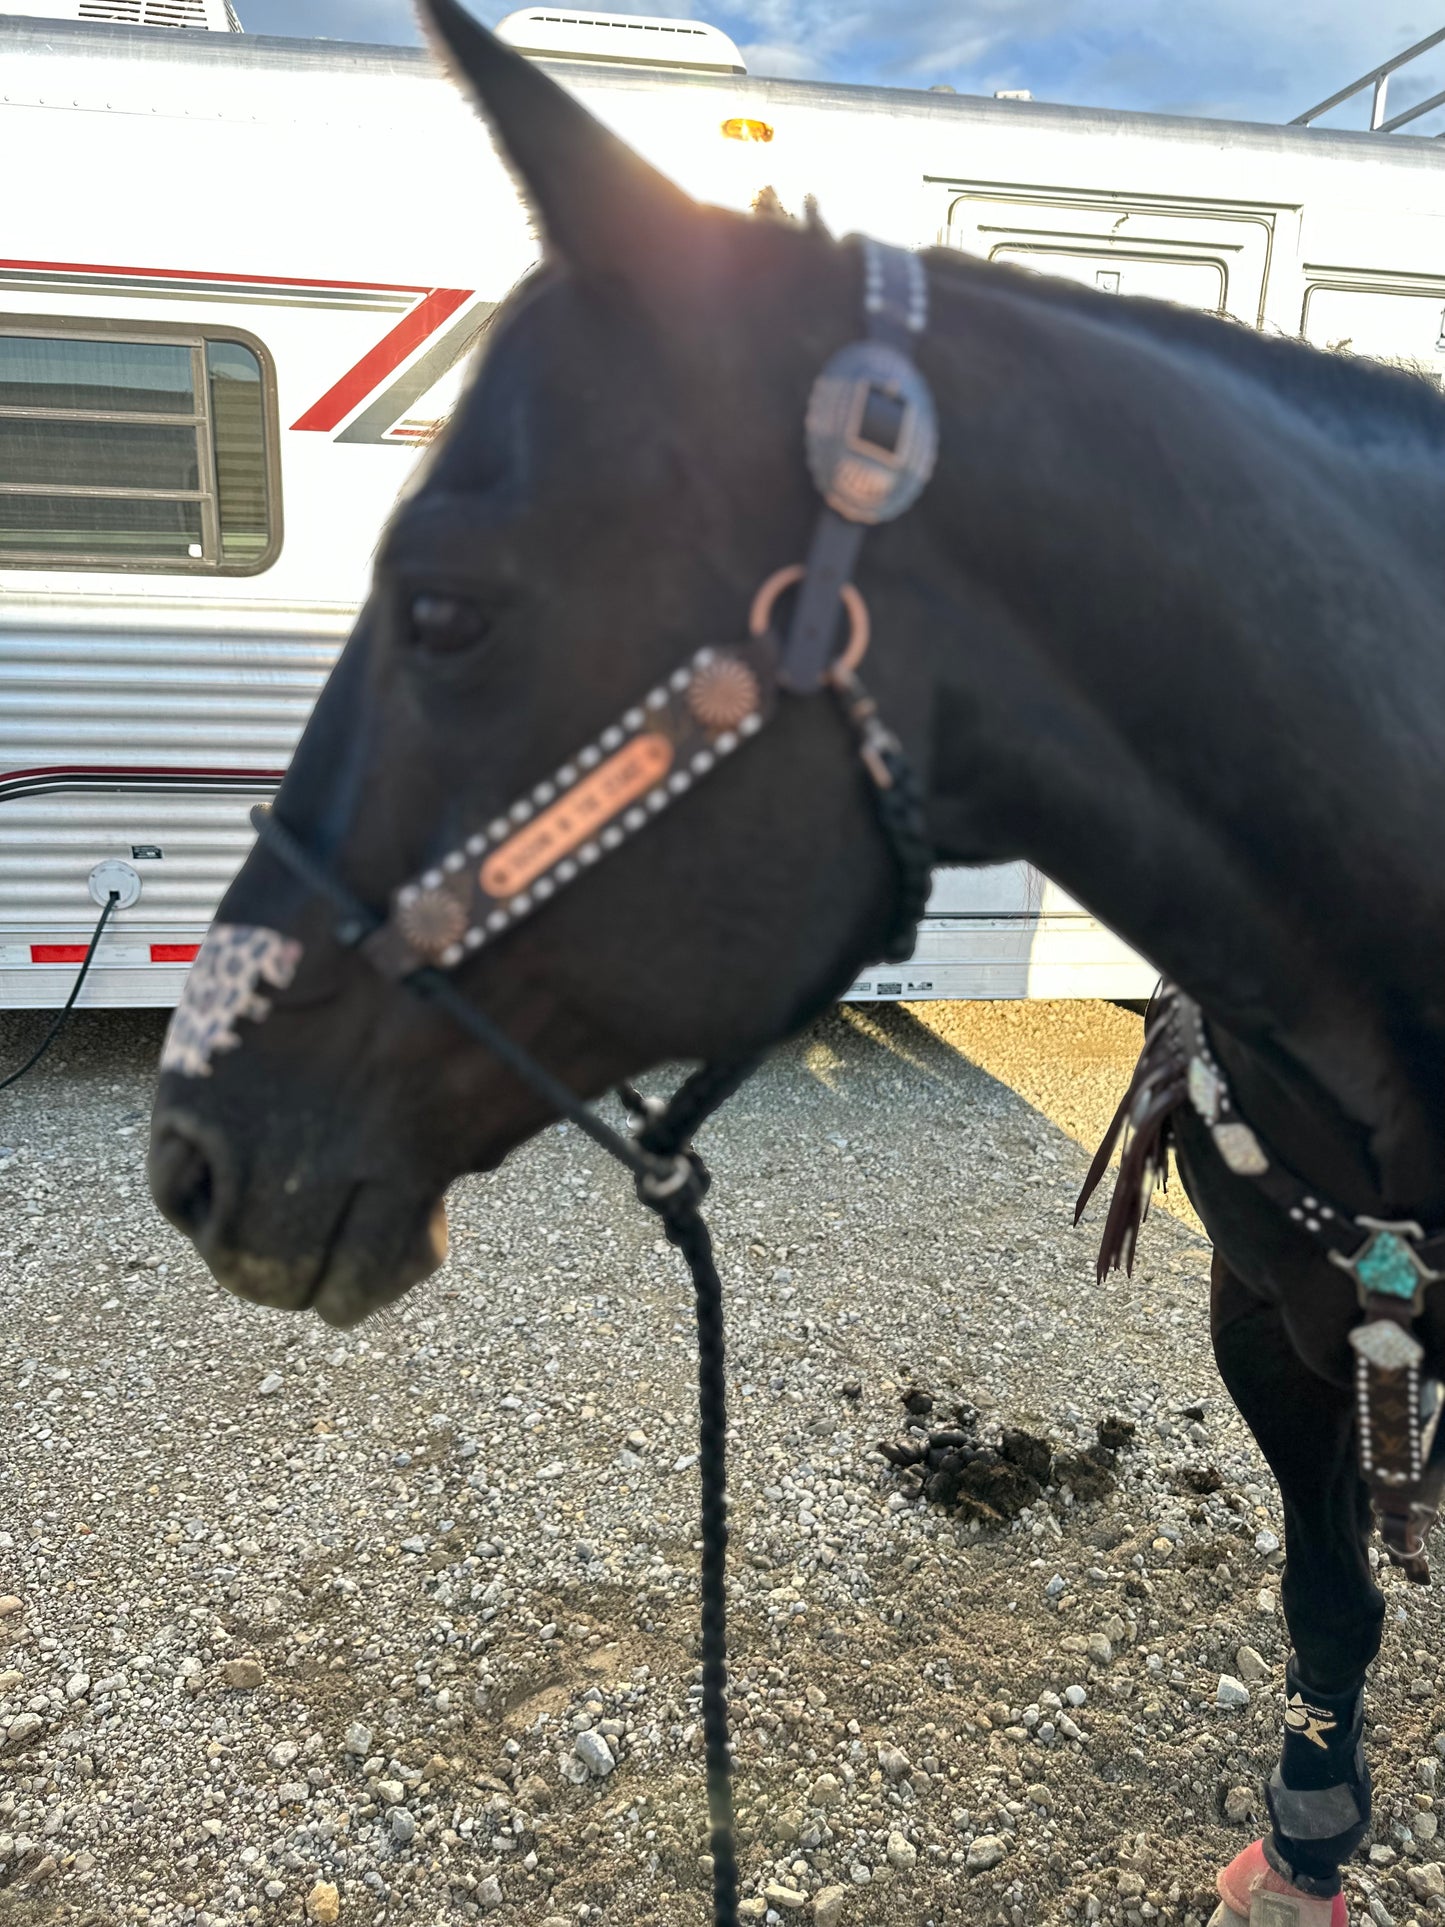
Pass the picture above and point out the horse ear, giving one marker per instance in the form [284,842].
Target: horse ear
[601,208]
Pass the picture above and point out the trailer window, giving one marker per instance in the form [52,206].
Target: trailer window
[119,451]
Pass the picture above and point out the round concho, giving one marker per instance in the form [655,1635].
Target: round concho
[433,922]
[723,693]
[872,432]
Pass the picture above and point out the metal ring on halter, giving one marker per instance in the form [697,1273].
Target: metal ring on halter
[656,1185]
[859,628]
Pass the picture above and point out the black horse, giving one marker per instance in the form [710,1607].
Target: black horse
[1166,623]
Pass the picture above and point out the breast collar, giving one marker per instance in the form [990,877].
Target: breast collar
[1393,1262]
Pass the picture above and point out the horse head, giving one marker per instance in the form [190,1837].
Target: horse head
[624,470]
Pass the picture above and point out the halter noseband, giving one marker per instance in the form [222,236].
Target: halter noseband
[872,439]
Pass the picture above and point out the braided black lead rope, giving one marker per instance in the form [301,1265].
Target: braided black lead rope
[667,1131]
[686,1230]
[900,810]
[898,798]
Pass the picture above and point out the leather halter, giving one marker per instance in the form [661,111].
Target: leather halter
[872,440]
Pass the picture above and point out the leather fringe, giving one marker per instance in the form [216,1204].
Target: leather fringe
[1144,1120]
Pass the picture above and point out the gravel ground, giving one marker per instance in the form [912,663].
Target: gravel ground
[399,1626]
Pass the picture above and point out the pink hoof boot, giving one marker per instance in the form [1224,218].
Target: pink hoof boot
[1254,1895]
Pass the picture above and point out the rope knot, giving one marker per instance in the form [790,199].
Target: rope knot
[674,1190]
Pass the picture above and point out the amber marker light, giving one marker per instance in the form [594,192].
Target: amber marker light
[746,130]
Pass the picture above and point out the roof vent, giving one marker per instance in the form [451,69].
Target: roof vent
[622,39]
[213,16]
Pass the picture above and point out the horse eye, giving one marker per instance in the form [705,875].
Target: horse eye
[443,625]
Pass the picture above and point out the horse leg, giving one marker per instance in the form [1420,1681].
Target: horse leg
[1319,1794]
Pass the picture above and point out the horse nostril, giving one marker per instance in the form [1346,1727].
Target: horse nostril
[182,1179]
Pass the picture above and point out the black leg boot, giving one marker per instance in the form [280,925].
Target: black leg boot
[1319,1794]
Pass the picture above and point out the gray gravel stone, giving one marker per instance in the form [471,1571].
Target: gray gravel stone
[594,1753]
[901,1853]
[828,1904]
[787,1899]
[1426,1882]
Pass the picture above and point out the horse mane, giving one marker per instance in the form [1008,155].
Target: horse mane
[1335,387]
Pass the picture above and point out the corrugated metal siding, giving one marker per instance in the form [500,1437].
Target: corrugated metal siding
[167,685]
[215,698]
[50,843]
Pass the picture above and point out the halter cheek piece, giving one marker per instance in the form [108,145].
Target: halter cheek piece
[872,439]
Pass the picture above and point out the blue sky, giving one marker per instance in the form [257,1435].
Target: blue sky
[1232,58]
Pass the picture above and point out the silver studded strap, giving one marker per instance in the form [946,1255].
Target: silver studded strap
[612,788]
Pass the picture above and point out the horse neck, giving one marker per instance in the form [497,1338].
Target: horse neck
[1182,653]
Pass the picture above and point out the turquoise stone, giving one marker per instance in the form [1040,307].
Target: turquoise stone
[1388,1266]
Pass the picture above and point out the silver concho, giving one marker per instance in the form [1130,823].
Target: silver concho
[1240,1149]
[872,432]
[1205,1089]
[1381,1343]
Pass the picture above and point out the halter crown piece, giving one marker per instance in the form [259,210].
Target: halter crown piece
[872,439]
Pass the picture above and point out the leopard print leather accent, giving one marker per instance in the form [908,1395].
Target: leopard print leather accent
[221,988]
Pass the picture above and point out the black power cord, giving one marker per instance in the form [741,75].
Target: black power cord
[59,1025]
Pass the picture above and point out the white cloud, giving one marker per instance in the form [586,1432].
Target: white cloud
[781,61]
[1220,56]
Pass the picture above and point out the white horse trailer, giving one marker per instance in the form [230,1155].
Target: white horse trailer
[240,280]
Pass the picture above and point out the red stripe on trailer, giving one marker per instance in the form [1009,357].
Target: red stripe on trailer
[387,356]
[174,952]
[58,952]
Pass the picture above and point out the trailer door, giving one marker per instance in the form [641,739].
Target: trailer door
[1214,256]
